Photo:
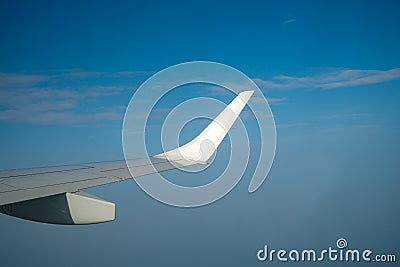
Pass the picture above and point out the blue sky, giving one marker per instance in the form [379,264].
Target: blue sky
[330,69]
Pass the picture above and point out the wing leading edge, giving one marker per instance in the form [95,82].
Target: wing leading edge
[27,193]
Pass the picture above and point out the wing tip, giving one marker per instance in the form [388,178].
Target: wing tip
[245,95]
[214,133]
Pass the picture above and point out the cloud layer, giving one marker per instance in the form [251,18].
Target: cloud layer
[336,78]
[66,97]
[80,97]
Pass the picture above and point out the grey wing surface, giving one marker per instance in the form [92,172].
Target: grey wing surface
[26,184]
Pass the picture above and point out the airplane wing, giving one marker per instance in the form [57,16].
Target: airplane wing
[52,194]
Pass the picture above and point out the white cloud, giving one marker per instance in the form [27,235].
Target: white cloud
[12,80]
[54,117]
[77,73]
[46,106]
[290,125]
[336,78]
[277,100]
[271,100]
[51,99]
[289,21]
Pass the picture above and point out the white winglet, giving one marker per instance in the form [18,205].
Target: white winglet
[201,148]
